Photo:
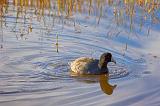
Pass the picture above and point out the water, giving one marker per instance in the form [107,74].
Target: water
[37,46]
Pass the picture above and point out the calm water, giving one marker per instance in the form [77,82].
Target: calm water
[39,39]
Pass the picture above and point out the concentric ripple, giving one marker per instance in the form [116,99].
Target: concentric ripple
[118,71]
[61,70]
[39,61]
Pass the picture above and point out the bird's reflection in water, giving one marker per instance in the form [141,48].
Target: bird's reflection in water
[103,80]
[104,84]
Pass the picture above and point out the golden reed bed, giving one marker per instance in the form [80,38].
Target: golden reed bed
[70,6]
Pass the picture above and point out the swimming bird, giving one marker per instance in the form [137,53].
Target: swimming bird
[91,66]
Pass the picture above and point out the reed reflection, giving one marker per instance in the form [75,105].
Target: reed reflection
[3,11]
[131,15]
[122,10]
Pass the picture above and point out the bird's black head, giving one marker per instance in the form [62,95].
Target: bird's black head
[105,58]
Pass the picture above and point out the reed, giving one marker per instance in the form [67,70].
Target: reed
[68,8]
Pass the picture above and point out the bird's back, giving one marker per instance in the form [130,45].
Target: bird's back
[85,65]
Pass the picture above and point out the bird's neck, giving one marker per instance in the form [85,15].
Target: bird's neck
[104,65]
